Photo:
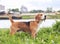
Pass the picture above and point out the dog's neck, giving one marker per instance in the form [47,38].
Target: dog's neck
[38,21]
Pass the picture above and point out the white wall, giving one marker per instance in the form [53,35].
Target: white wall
[2,8]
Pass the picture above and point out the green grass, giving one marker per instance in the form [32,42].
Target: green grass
[53,16]
[49,35]
[48,16]
[28,17]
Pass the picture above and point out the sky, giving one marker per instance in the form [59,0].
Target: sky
[31,4]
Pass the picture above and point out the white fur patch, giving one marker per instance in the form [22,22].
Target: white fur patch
[43,17]
[38,27]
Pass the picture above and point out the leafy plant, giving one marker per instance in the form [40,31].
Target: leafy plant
[49,35]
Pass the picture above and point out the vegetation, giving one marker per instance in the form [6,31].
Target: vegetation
[32,16]
[49,35]
[48,17]
[58,11]
[14,10]
[28,17]
[53,16]
[36,11]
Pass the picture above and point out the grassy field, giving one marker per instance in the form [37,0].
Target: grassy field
[32,16]
[28,17]
[53,16]
[49,35]
[48,16]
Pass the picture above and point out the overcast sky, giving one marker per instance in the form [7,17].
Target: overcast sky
[31,4]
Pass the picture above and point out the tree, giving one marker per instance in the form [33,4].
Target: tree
[33,11]
[15,10]
[49,10]
[24,9]
[36,11]
[58,11]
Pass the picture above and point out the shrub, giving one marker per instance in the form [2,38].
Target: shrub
[56,26]
[49,35]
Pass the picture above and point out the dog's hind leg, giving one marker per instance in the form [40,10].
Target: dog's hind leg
[12,31]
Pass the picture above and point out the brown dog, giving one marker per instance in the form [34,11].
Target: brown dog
[30,27]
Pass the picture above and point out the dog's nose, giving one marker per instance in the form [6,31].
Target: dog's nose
[44,17]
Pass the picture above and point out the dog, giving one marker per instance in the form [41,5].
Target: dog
[30,27]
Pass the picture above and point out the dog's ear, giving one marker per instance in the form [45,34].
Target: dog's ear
[38,16]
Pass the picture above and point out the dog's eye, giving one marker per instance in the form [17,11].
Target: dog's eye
[41,14]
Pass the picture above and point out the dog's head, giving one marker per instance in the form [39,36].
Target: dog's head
[40,17]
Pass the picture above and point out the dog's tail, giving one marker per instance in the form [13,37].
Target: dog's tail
[10,18]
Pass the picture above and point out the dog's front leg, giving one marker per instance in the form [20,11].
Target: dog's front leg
[33,34]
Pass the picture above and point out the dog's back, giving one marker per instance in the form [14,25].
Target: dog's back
[27,23]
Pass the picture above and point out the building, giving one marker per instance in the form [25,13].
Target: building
[2,9]
[24,9]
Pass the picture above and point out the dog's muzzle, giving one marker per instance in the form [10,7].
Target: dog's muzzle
[44,17]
